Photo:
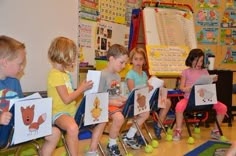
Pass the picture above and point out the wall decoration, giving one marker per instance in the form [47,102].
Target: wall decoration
[207,36]
[206,17]
[230,55]
[228,37]
[229,18]
[85,38]
[208,3]
[89,9]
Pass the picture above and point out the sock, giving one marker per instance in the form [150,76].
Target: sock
[112,142]
[131,132]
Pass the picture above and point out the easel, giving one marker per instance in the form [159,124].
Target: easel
[137,33]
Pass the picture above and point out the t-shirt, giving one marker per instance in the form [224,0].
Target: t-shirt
[110,82]
[191,76]
[138,79]
[10,88]
[58,78]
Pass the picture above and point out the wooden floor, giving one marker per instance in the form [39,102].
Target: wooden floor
[177,148]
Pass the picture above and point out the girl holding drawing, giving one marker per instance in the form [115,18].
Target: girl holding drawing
[134,78]
[188,77]
[63,53]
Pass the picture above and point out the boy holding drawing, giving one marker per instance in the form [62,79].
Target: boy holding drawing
[189,76]
[117,56]
[12,61]
[62,54]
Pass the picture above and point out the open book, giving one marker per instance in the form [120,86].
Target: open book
[205,79]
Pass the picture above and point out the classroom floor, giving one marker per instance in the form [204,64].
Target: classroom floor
[177,148]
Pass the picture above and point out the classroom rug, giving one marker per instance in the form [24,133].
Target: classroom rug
[210,148]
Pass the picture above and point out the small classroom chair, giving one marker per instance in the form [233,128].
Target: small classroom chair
[197,112]
[79,118]
[128,112]
[6,135]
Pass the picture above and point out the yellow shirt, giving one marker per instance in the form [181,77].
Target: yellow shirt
[58,78]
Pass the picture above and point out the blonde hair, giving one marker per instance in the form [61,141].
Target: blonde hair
[9,47]
[62,51]
[137,51]
[116,50]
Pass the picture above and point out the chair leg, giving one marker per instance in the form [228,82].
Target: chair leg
[140,132]
[101,149]
[219,128]
[188,128]
[65,144]
[120,138]
[160,122]
[147,130]
[172,125]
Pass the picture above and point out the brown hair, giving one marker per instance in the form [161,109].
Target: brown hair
[116,51]
[194,53]
[62,51]
[137,51]
[10,47]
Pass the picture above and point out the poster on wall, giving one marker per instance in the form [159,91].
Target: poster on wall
[206,17]
[103,40]
[113,11]
[230,55]
[85,35]
[207,36]
[89,9]
[229,18]
[208,3]
[228,36]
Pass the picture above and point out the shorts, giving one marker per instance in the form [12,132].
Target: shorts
[114,109]
[57,115]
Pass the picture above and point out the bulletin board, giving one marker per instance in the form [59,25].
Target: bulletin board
[37,23]
[169,34]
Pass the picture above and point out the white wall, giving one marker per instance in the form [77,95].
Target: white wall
[36,23]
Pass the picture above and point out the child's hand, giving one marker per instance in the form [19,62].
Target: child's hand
[85,85]
[150,87]
[5,118]
[215,78]
[117,102]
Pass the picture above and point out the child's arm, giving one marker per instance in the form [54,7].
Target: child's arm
[5,118]
[130,84]
[183,87]
[69,97]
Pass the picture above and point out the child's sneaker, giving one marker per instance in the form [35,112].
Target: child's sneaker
[157,130]
[140,140]
[131,142]
[177,135]
[215,134]
[113,150]
[91,153]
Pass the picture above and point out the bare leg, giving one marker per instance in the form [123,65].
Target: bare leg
[68,124]
[97,133]
[51,142]
[164,111]
[117,122]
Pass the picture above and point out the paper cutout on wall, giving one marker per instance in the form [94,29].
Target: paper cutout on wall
[208,3]
[228,36]
[229,18]
[230,55]
[207,36]
[205,17]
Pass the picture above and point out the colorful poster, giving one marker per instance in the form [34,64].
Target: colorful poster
[208,3]
[141,103]
[104,40]
[33,119]
[205,94]
[206,17]
[89,9]
[113,11]
[96,108]
[85,38]
[228,37]
[229,19]
[207,36]
[230,55]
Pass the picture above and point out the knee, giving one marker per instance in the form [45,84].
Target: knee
[55,136]
[119,119]
[72,130]
[220,108]
[145,115]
